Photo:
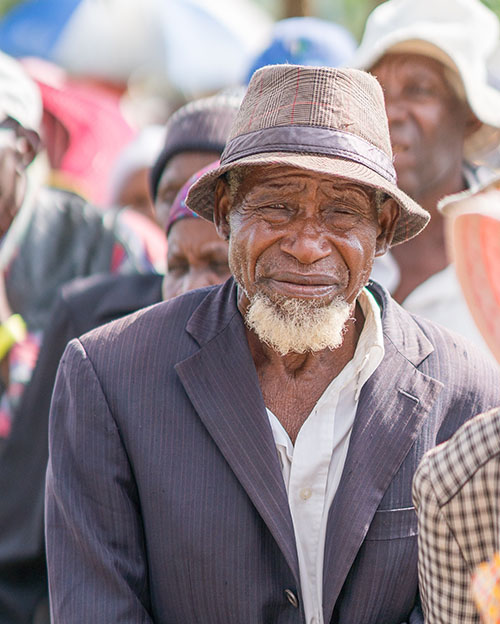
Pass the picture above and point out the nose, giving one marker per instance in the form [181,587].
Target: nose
[307,244]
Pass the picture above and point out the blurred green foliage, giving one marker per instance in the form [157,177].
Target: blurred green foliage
[6,5]
[494,5]
[350,13]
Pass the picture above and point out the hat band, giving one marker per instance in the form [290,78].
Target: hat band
[310,140]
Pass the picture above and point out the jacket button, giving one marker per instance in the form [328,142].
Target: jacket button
[292,598]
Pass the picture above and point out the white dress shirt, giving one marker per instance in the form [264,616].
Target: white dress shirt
[441,300]
[313,467]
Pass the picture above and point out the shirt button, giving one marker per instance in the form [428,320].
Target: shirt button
[305,493]
[292,598]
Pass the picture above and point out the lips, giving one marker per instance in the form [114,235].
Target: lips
[303,285]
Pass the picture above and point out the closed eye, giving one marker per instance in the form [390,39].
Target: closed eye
[274,213]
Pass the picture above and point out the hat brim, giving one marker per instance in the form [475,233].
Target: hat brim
[473,237]
[412,220]
[477,260]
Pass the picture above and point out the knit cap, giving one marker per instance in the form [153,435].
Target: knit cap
[200,126]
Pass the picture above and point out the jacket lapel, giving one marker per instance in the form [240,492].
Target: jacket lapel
[221,382]
[393,405]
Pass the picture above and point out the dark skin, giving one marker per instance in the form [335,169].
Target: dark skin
[428,123]
[306,235]
[177,171]
[135,194]
[197,257]
[18,147]
[17,150]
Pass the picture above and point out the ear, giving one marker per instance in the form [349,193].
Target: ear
[388,216]
[222,206]
[28,145]
[472,124]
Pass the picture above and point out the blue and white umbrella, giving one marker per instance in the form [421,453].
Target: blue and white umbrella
[199,45]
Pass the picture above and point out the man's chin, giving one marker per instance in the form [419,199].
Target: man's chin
[294,325]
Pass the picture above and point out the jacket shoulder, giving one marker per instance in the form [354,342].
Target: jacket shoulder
[453,464]
[428,345]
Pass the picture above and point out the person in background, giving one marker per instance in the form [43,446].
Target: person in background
[305,41]
[431,60]
[129,181]
[456,489]
[195,136]
[83,305]
[244,453]
[48,237]
[83,127]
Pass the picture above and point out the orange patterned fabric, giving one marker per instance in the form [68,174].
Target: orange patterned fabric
[486,590]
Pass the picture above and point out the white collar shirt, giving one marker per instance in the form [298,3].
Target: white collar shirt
[313,467]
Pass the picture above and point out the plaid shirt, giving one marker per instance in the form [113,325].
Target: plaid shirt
[456,491]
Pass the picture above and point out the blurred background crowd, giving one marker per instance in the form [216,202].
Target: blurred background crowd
[109,110]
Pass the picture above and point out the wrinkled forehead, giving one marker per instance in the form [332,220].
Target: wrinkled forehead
[286,180]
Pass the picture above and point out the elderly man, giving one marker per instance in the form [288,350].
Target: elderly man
[244,453]
[430,58]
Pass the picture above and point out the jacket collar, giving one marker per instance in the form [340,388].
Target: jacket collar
[393,405]
[221,381]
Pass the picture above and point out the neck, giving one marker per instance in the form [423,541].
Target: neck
[429,246]
[296,364]
[429,198]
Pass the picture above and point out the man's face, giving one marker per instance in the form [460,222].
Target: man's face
[196,258]
[302,235]
[12,179]
[135,193]
[428,122]
[176,173]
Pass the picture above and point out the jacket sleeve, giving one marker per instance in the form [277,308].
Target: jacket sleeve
[95,541]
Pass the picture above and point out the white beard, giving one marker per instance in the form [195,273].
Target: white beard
[298,325]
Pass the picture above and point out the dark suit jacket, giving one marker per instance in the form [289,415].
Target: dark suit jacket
[165,498]
[83,304]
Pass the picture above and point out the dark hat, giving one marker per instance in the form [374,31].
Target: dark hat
[200,126]
[320,119]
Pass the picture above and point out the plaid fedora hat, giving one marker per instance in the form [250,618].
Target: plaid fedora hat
[322,119]
[473,238]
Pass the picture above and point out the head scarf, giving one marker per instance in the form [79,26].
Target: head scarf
[179,208]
